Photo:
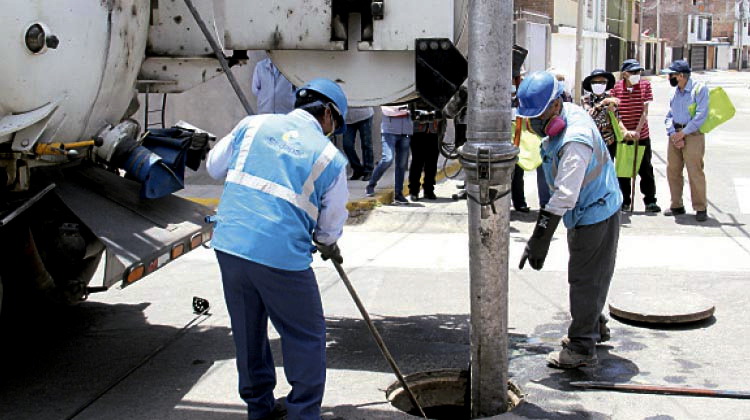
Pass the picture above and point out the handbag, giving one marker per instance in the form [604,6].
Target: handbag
[625,156]
[720,109]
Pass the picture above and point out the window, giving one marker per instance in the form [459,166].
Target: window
[590,8]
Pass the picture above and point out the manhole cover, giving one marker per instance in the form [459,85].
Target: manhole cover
[660,305]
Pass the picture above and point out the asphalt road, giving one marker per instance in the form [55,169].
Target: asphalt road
[410,266]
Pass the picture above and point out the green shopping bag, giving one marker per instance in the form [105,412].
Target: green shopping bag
[619,135]
[720,110]
[625,157]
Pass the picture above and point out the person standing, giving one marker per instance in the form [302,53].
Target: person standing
[634,95]
[285,188]
[687,144]
[585,195]
[275,94]
[359,120]
[427,130]
[396,129]
[599,103]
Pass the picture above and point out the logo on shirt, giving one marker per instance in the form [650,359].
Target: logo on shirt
[290,135]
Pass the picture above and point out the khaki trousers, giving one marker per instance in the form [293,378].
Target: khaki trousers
[690,156]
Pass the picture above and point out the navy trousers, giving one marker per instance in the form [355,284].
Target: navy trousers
[291,299]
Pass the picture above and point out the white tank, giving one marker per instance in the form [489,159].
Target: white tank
[88,77]
[301,39]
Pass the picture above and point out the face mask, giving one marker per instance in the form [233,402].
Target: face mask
[634,79]
[598,88]
[673,81]
[551,127]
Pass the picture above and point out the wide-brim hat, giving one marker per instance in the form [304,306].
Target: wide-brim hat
[598,73]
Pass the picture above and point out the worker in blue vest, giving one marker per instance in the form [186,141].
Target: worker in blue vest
[285,188]
[586,195]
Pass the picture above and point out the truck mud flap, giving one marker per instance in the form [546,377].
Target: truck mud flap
[140,235]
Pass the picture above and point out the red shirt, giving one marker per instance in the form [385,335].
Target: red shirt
[632,103]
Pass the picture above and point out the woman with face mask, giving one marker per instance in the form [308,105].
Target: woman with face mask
[598,102]
[634,95]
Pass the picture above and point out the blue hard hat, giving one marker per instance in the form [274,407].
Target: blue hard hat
[331,91]
[536,93]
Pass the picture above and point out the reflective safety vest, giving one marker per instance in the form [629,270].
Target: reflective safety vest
[281,166]
[600,195]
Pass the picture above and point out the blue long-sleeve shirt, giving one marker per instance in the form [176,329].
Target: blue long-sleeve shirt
[679,105]
[274,92]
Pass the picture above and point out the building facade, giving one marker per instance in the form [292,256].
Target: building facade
[560,17]
[700,31]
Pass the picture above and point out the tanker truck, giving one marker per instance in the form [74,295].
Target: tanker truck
[85,189]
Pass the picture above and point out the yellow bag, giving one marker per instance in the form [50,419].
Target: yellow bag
[529,155]
[720,109]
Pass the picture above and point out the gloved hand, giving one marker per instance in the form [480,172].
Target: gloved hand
[331,251]
[538,245]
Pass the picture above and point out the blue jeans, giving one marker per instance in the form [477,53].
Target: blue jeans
[398,145]
[291,299]
[365,136]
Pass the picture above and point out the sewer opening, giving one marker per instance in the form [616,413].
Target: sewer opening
[443,394]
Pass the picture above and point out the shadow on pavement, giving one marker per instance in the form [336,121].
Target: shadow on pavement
[53,361]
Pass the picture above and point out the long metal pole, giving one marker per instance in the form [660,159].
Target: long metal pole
[579,52]
[488,158]
[741,34]
[660,64]
[376,336]
[220,56]
[663,390]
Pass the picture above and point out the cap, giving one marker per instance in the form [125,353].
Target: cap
[677,66]
[631,64]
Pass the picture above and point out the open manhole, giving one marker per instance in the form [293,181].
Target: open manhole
[443,394]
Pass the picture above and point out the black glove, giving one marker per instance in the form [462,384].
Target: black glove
[538,245]
[331,251]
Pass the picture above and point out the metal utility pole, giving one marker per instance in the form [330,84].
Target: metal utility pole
[640,31]
[488,158]
[579,52]
[740,34]
[659,45]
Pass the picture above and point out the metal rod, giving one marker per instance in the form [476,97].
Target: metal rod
[665,390]
[579,53]
[635,174]
[26,205]
[220,56]
[376,335]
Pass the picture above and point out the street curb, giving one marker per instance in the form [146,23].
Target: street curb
[356,206]
[361,205]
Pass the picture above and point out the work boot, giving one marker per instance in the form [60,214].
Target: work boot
[279,410]
[652,208]
[568,359]
[675,211]
[701,215]
[604,333]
